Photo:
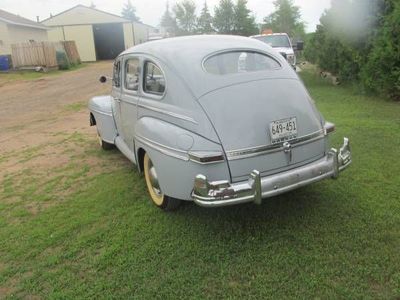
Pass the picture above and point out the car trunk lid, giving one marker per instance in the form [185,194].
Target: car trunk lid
[242,115]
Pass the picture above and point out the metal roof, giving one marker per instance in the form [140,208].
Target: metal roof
[54,20]
[12,19]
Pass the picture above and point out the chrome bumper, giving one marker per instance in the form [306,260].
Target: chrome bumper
[223,193]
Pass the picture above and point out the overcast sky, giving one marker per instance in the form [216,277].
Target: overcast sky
[150,11]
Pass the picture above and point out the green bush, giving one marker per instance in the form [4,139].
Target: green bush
[381,73]
[359,41]
[62,60]
[310,52]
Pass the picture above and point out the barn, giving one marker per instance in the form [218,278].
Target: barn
[98,35]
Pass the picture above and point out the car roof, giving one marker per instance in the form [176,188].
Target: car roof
[184,55]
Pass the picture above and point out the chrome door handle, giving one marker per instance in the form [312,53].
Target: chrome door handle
[117,99]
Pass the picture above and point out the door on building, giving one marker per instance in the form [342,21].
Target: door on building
[108,40]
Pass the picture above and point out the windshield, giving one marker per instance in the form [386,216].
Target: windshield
[275,40]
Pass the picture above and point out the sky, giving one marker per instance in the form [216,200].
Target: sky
[150,11]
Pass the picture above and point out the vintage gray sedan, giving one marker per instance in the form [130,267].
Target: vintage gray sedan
[219,120]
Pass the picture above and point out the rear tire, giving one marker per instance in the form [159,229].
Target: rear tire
[158,198]
[171,204]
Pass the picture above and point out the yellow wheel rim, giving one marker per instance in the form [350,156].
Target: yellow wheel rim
[152,181]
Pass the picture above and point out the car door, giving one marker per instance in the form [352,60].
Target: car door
[116,94]
[130,98]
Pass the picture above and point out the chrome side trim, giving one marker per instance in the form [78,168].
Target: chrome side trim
[261,150]
[101,112]
[168,113]
[163,148]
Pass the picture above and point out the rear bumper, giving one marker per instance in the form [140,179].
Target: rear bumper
[223,193]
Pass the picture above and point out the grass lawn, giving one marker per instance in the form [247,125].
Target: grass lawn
[99,236]
[31,74]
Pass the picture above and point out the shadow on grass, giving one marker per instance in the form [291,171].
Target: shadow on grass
[299,207]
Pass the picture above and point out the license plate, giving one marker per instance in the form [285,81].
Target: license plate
[283,130]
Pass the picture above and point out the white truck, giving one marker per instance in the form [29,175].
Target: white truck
[281,43]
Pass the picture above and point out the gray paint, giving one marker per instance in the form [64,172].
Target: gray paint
[202,112]
[184,55]
[101,108]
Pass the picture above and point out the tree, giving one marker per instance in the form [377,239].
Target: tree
[205,20]
[244,23]
[168,22]
[381,72]
[359,41]
[224,17]
[129,12]
[286,18]
[185,14]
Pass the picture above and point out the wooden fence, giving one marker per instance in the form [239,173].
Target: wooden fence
[71,51]
[43,54]
[34,54]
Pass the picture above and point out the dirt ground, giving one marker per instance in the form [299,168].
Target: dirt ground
[44,122]
[47,148]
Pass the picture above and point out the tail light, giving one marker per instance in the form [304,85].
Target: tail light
[329,127]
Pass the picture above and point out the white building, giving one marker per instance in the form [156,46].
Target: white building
[98,35]
[15,29]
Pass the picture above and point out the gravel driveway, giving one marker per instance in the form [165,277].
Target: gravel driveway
[39,115]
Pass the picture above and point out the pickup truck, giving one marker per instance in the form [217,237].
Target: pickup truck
[281,43]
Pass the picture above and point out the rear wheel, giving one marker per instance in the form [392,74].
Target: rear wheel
[157,196]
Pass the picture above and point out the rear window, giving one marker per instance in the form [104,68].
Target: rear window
[239,62]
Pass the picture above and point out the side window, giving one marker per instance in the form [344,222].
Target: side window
[117,74]
[154,81]
[132,71]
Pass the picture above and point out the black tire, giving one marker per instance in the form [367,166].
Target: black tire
[106,146]
[170,204]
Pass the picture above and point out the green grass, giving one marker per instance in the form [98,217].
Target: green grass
[75,107]
[333,239]
[32,75]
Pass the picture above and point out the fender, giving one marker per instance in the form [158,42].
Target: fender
[101,115]
[168,147]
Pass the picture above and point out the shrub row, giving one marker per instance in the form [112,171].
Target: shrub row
[359,41]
